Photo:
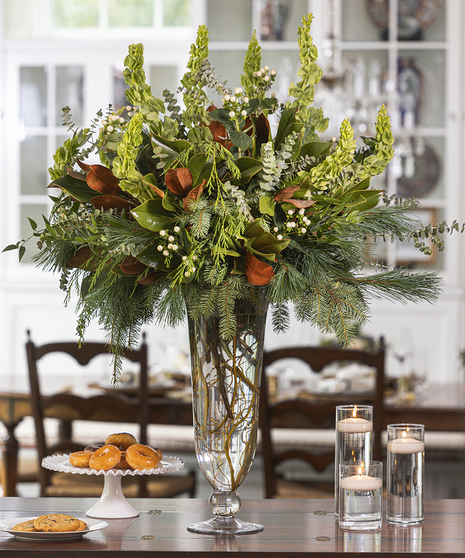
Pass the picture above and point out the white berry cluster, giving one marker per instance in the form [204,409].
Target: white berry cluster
[115,123]
[297,222]
[167,242]
[189,264]
[236,104]
[265,78]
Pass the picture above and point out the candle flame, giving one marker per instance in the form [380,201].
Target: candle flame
[361,468]
[404,434]
[354,412]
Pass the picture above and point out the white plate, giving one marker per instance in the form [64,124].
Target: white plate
[7,525]
[61,463]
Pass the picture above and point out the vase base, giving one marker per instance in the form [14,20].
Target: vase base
[225,526]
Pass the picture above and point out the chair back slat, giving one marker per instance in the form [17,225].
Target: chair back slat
[105,407]
[303,413]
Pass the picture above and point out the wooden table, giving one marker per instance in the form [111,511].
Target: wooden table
[293,528]
[440,408]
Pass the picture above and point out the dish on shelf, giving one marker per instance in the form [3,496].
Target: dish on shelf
[410,87]
[425,176]
[414,16]
[6,525]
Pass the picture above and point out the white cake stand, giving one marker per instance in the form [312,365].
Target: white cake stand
[112,503]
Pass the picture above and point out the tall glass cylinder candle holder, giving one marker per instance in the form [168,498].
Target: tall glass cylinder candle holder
[361,495]
[354,428]
[405,466]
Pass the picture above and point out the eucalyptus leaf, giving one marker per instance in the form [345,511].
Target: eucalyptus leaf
[241,140]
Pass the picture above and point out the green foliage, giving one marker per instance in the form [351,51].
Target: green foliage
[205,208]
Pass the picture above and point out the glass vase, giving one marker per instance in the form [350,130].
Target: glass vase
[226,374]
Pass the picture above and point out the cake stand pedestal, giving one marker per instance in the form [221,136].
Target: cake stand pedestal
[112,503]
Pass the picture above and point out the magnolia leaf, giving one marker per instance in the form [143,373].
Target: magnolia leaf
[228,252]
[366,200]
[153,216]
[219,132]
[76,174]
[301,204]
[304,187]
[266,245]
[84,166]
[106,202]
[254,229]
[327,199]
[267,205]
[239,266]
[101,179]
[262,242]
[262,129]
[196,165]
[179,181]
[152,257]
[248,168]
[286,192]
[258,273]
[168,204]
[193,195]
[80,258]
[77,189]
[151,181]
[132,266]
[362,185]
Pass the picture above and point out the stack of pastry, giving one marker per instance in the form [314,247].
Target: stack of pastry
[120,451]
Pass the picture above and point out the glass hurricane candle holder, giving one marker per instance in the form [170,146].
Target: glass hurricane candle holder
[360,495]
[354,428]
[405,466]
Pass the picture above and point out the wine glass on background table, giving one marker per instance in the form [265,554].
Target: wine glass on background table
[402,352]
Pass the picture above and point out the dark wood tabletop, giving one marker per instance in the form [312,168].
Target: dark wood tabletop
[293,528]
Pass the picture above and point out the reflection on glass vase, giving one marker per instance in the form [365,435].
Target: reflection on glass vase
[226,377]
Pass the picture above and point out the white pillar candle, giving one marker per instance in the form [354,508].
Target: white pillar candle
[354,425]
[406,445]
[360,482]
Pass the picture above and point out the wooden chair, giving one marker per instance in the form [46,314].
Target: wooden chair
[303,413]
[105,407]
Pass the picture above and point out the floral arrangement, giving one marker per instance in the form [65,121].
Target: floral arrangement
[208,205]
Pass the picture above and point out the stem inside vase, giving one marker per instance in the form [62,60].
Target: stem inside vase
[226,376]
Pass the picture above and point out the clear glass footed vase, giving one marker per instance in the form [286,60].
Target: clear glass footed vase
[226,376]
